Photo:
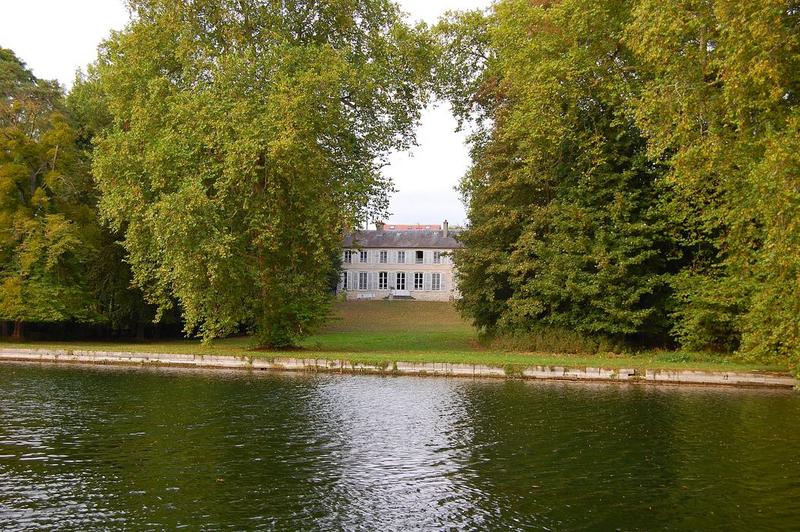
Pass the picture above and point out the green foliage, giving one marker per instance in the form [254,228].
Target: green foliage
[566,228]
[56,262]
[464,77]
[108,273]
[47,230]
[772,323]
[548,339]
[721,105]
[246,136]
[88,108]
[635,170]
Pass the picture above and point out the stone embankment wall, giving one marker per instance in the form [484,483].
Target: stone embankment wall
[729,378]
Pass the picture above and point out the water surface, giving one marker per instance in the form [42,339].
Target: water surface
[148,449]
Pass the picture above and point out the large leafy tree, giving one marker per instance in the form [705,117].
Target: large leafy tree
[638,170]
[721,105]
[246,137]
[48,227]
[566,228]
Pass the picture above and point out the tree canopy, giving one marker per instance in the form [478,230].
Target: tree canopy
[634,174]
[47,225]
[246,137]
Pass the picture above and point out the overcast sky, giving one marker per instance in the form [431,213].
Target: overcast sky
[56,37]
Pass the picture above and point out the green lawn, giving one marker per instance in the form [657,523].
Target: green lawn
[415,331]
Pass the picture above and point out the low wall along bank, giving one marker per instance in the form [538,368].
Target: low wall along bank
[727,378]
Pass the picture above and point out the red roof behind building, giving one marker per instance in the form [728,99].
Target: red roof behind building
[412,227]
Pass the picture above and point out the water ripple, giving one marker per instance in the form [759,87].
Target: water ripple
[132,449]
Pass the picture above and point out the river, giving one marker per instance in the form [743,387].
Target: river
[86,448]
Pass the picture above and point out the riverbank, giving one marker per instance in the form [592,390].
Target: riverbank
[433,369]
[408,337]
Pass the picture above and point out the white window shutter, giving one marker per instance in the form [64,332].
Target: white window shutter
[427,281]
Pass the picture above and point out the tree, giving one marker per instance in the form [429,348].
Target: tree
[246,137]
[566,228]
[721,105]
[108,273]
[47,229]
[637,174]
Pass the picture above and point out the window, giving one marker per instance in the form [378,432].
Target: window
[420,256]
[344,281]
[362,280]
[437,257]
[401,281]
[401,257]
[363,256]
[383,280]
[419,281]
[348,256]
[384,257]
[436,281]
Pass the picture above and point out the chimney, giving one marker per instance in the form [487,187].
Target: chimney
[379,226]
[445,228]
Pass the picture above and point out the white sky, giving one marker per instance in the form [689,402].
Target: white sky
[424,177]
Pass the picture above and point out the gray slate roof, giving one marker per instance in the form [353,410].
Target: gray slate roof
[402,239]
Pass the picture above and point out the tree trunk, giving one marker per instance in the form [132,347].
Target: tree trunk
[3,329]
[17,330]
[140,332]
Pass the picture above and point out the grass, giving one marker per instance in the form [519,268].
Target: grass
[382,332]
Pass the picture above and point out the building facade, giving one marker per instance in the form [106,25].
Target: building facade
[389,263]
